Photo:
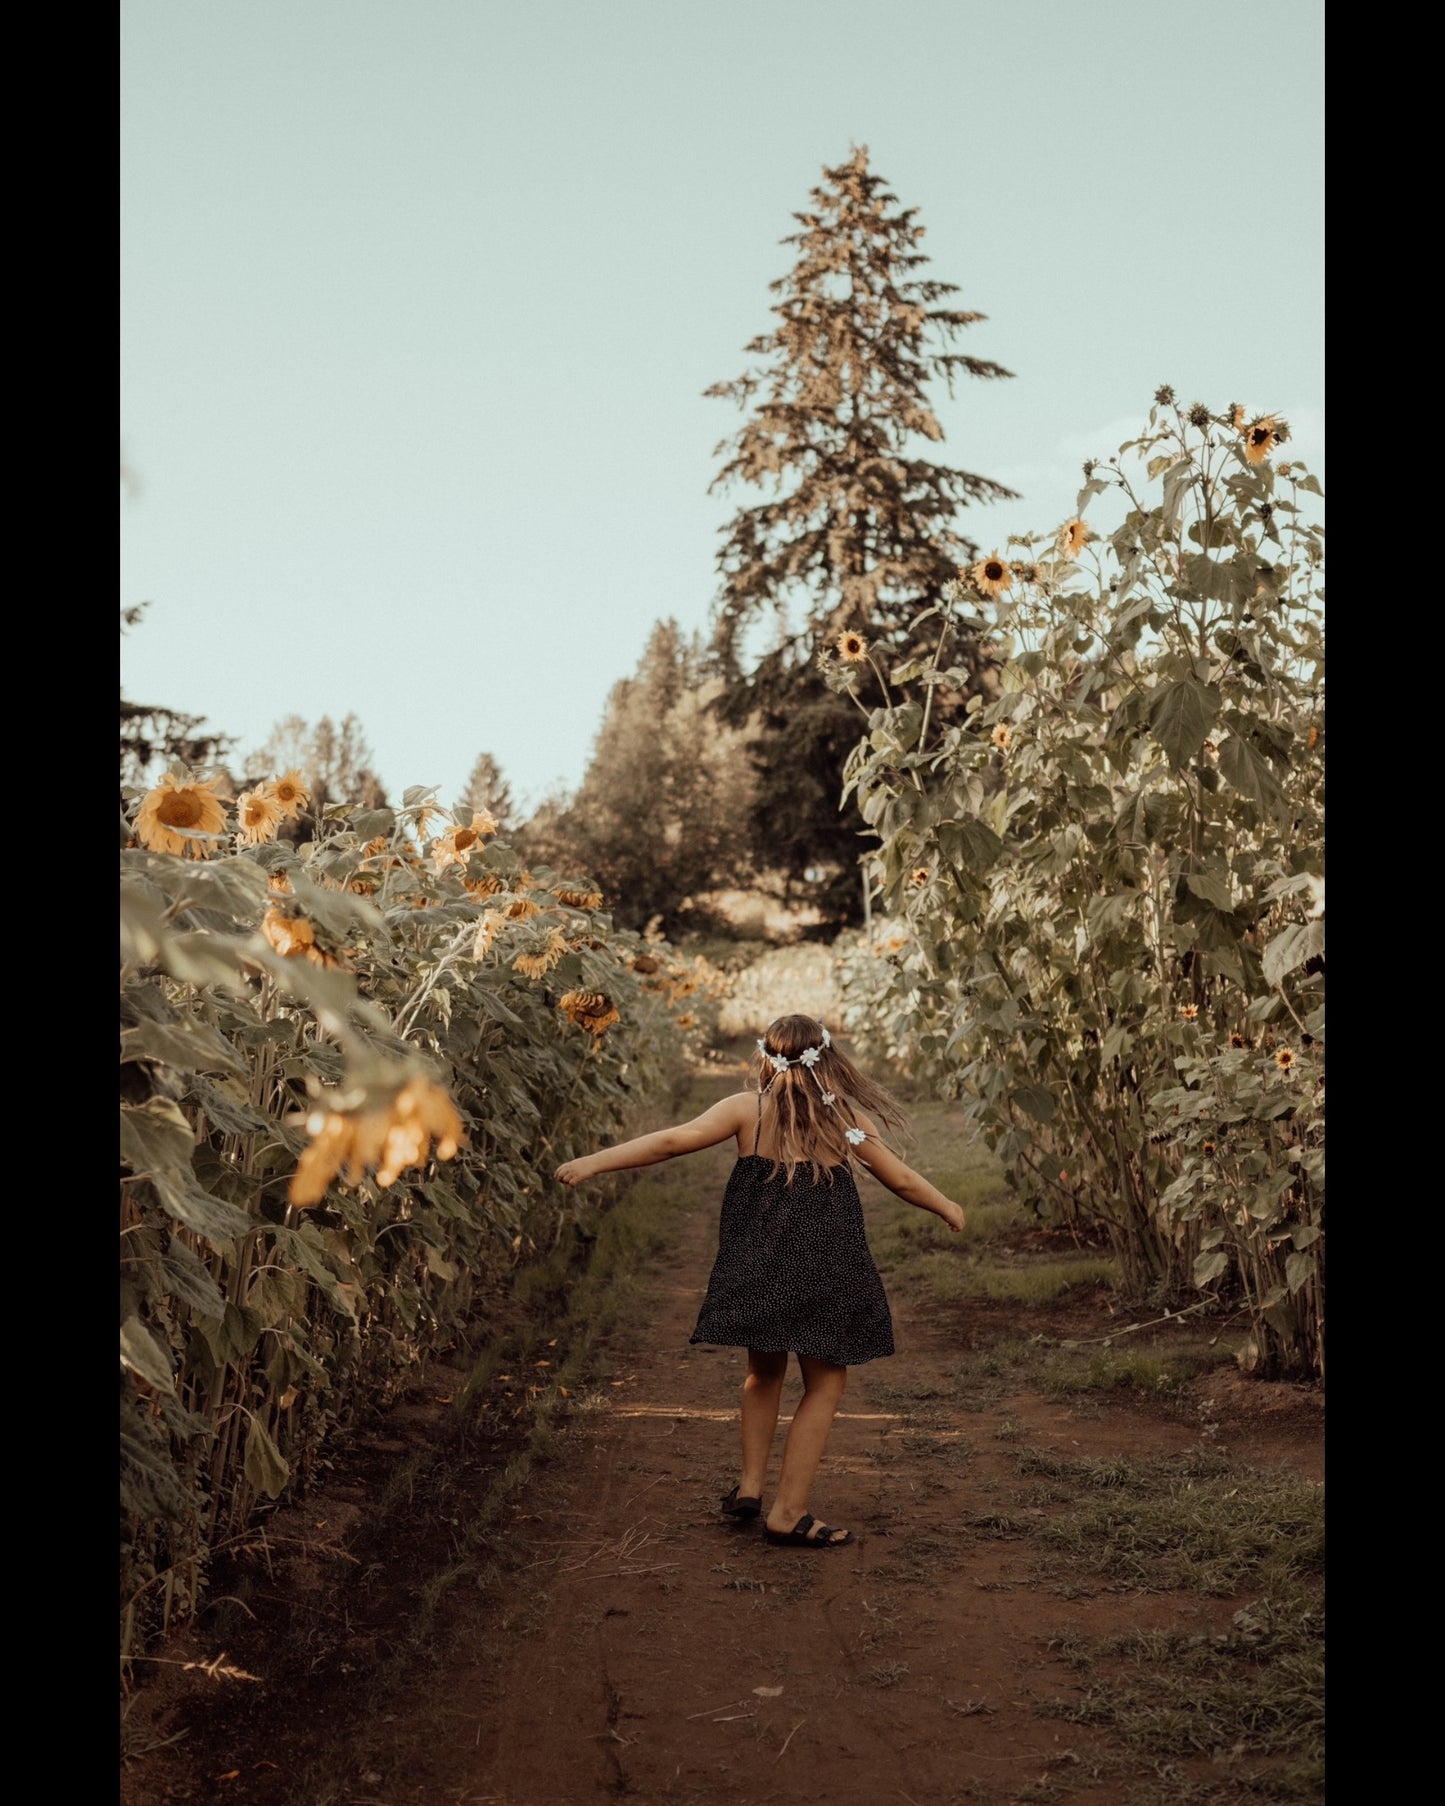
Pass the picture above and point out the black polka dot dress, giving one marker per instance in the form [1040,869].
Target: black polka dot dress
[794,1272]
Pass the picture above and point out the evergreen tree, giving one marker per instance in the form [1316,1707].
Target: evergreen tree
[488,790]
[661,813]
[859,531]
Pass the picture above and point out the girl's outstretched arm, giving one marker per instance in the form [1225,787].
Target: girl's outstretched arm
[718,1124]
[902,1181]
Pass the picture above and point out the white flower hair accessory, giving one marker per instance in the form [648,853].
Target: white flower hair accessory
[808,1059]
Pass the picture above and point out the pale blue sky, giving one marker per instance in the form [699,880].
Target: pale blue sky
[419,301]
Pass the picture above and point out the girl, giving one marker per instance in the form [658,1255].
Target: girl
[793,1272]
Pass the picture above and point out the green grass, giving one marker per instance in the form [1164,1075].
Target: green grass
[1253,1691]
[1193,1522]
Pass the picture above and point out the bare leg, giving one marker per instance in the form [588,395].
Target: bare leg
[823,1386]
[762,1395]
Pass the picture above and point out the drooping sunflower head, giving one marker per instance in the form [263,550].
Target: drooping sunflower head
[992,575]
[590,1010]
[540,959]
[180,816]
[1073,536]
[852,647]
[488,884]
[290,792]
[1261,436]
[580,899]
[258,815]
[1236,415]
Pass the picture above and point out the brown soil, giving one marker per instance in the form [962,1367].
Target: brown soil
[628,1643]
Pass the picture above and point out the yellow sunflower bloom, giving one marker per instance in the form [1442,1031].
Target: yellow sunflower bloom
[852,646]
[1284,1059]
[180,816]
[992,575]
[291,793]
[1189,1011]
[1261,437]
[389,1139]
[1002,736]
[258,815]
[1073,536]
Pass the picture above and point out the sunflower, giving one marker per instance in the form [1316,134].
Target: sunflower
[180,816]
[993,575]
[1189,1011]
[1207,1150]
[1001,736]
[919,875]
[521,909]
[487,885]
[488,928]
[1284,1059]
[291,793]
[1260,438]
[591,1010]
[258,815]
[1073,536]
[580,899]
[389,1139]
[539,964]
[852,646]
[1237,416]
[1238,1040]
[279,882]
[293,937]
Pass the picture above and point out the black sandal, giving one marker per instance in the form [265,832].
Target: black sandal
[798,1537]
[743,1510]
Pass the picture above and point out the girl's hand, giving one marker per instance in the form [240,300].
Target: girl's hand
[573,1172]
[953,1216]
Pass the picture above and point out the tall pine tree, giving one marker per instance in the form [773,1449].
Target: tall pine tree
[858,531]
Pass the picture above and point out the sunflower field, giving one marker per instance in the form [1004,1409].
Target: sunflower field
[352,1051]
[1104,884]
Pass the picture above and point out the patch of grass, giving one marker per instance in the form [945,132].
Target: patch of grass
[1254,1690]
[1063,1372]
[1192,1522]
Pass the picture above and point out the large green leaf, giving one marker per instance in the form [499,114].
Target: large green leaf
[140,1351]
[186,1276]
[1034,1101]
[154,1136]
[1181,715]
[266,1467]
[183,1196]
[1290,948]
[187,1045]
[1250,774]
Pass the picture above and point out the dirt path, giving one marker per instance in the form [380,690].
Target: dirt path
[643,1648]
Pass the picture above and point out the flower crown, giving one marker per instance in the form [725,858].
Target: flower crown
[808,1059]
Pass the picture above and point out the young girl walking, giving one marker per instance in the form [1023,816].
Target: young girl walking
[793,1274]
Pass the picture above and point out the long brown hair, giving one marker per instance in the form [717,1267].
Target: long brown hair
[808,1129]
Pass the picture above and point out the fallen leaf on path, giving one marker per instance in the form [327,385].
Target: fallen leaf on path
[767,1692]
